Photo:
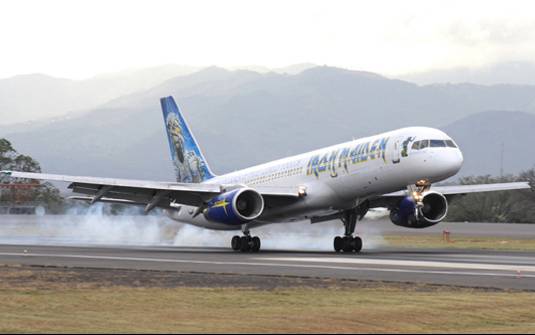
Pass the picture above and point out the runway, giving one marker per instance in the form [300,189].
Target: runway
[504,270]
[123,242]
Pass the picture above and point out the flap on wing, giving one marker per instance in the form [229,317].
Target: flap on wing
[110,200]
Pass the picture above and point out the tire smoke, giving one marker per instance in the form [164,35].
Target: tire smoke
[95,226]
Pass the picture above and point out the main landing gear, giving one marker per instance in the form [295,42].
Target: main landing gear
[350,243]
[246,242]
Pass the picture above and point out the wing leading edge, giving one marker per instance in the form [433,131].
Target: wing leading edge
[477,188]
[451,191]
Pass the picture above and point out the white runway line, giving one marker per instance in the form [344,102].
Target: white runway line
[265,264]
[404,263]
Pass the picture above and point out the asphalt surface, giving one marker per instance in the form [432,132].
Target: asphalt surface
[504,270]
[156,243]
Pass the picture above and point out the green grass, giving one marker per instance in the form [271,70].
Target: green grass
[461,242]
[382,309]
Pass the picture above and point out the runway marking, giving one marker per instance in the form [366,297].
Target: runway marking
[395,262]
[282,265]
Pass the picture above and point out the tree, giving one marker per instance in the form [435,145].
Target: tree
[506,206]
[42,193]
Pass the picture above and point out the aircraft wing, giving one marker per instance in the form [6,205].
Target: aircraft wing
[141,192]
[452,191]
[477,188]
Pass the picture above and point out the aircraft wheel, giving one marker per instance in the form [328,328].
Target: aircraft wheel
[348,244]
[235,243]
[338,244]
[244,243]
[357,244]
[255,244]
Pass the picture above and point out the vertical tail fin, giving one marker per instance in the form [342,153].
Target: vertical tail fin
[190,165]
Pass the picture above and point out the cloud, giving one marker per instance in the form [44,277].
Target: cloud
[493,32]
[60,37]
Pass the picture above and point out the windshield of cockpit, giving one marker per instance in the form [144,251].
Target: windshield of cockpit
[422,144]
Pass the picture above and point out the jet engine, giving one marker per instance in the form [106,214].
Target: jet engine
[235,207]
[420,210]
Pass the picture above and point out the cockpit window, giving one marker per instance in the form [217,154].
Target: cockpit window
[437,144]
[422,144]
[450,144]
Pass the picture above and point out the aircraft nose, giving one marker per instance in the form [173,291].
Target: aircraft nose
[452,162]
[457,161]
[446,163]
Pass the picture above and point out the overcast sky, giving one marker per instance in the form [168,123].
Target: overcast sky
[78,39]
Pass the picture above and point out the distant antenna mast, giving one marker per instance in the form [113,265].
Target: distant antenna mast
[501,161]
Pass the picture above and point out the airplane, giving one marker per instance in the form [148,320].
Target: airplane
[395,170]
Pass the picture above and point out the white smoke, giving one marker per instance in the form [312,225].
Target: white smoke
[283,236]
[306,236]
[191,236]
[94,225]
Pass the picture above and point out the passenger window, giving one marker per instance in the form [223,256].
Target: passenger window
[437,144]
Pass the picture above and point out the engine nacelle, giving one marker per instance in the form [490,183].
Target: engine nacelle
[409,214]
[235,207]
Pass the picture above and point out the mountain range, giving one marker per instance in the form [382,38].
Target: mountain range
[40,97]
[517,73]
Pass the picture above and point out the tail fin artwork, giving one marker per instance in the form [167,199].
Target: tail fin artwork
[190,165]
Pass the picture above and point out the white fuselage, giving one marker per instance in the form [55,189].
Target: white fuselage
[341,176]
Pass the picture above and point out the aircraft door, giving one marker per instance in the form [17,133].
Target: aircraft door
[396,151]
